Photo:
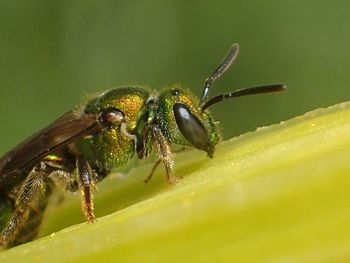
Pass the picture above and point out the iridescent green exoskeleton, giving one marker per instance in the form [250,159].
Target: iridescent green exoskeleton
[84,145]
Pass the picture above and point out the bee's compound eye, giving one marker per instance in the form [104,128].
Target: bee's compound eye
[113,116]
[190,126]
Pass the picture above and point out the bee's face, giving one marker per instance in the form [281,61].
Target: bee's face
[183,122]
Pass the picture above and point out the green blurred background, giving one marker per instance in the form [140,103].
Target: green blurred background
[53,53]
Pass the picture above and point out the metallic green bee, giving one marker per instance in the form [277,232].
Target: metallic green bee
[83,146]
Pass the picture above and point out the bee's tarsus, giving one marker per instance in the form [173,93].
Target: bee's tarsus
[155,165]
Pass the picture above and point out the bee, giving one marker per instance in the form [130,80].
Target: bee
[83,146]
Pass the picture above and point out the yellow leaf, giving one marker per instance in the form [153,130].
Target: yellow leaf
[279,194]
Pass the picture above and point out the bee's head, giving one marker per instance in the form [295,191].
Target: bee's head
[185,120]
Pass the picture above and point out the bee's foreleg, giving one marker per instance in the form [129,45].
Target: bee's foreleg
[155,165]
[164,154]
[28,198]
[86,184]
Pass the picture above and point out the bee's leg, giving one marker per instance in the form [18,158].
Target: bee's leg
[164,154]
[86,185]
[27,202]
[155,165]
[64,180]
[30,229]
[149,177]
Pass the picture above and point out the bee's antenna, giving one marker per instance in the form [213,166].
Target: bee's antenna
[223,66]
[244,92]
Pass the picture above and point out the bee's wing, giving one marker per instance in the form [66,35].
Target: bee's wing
[69,127]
